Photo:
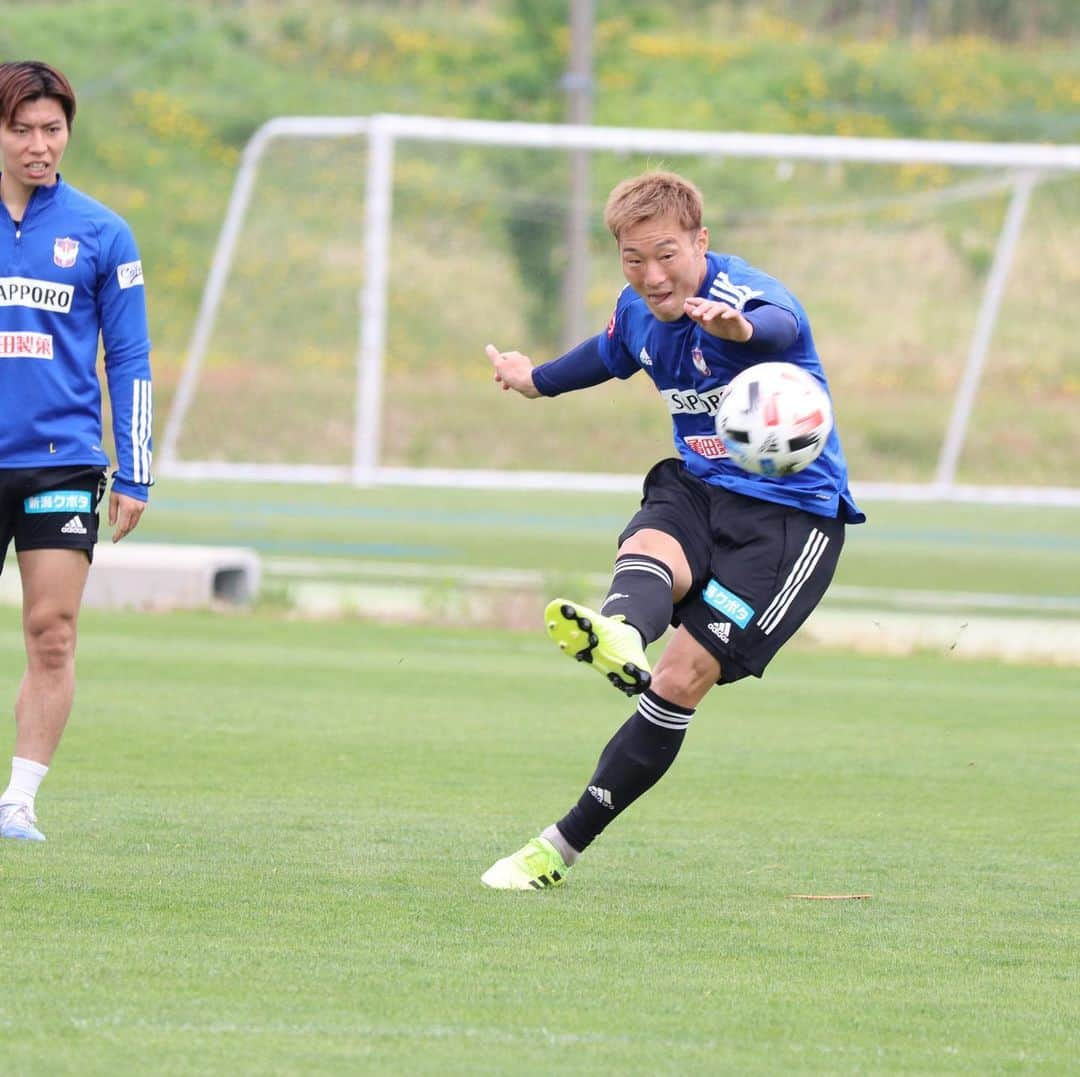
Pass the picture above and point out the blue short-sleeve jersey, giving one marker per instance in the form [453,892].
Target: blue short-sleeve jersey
[691,369]
[71,276]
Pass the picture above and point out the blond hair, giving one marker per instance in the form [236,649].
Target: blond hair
[650,196]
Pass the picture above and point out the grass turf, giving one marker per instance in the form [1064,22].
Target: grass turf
[562,535]
[265,841]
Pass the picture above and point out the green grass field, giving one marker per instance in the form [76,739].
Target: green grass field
[266,832]
[566,538]
[266,835]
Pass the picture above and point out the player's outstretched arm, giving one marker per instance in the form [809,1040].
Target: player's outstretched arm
[513,371]
[719,319]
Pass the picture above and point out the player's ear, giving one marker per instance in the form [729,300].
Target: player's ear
[701,244]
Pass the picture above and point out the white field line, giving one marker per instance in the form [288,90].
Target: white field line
[396,572]
[1004,638]
[422,572]
[323,1032]
[876,620]
[953,600]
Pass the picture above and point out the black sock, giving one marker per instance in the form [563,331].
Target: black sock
[634,760]
[641,591]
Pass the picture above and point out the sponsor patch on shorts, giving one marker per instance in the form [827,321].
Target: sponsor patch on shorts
[731,606]
[59,501]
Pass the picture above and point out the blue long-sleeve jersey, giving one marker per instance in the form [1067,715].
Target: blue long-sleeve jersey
[691,369]
[70,273]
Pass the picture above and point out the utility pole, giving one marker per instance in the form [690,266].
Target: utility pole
[578,83]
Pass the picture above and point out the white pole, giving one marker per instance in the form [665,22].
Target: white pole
[211,300]
[1033,155]
[373,301]
[1036,159]
[956,431]
[579,90]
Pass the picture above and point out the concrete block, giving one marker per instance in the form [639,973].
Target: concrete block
[160,576]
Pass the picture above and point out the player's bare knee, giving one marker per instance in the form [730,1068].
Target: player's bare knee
[653,543]
[686,682]
[685,671]
[665,548]
[50,640]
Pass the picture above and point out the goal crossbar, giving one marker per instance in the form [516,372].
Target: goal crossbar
[1025,163]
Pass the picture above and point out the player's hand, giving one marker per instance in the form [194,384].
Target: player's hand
[513,371]
[124,513]
[718,319]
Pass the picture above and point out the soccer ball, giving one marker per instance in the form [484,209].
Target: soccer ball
[774,419]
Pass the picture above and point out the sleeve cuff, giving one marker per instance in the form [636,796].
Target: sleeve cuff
[138,490]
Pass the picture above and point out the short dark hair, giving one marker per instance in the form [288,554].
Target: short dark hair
[30,80]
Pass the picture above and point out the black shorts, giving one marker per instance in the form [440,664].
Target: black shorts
[50,508]
[759,568]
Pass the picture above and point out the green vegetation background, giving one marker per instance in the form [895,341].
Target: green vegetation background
[170,93]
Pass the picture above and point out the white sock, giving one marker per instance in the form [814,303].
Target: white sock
[565,849]
[26,776]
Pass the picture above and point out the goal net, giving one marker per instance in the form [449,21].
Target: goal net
[365,262]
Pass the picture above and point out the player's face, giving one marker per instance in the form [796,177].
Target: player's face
[664,264]
[32,143]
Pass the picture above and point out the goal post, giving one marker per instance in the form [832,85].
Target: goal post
[369,176]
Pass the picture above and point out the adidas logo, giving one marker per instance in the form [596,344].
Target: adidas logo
[644,358]
[74,526]
[721,629]
[603,797]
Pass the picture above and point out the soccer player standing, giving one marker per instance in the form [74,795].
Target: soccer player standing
[735,561]
[69,274]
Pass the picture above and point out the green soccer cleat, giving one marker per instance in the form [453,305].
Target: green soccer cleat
[608,644]
[535,866]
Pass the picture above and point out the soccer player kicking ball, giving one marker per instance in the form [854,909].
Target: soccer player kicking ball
[735,561]
[69,275]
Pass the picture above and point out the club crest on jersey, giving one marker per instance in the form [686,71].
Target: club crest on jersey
[65,251]
[699,362]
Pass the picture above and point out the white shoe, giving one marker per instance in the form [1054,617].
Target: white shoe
[17,821]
